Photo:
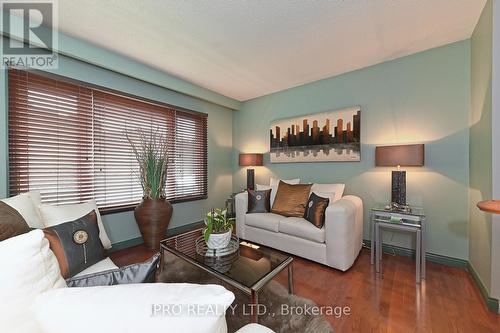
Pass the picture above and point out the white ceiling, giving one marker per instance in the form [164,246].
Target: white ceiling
[246,49]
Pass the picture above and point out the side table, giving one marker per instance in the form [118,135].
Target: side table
[413,221]
[230,205]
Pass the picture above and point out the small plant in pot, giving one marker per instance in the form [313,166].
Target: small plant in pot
[153,214]
[218,229]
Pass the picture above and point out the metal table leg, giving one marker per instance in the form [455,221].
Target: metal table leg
[418,251]
[254,301]
[372,235]
[379,252]
[162,258]
[423,223]
[290,278]
[377,244]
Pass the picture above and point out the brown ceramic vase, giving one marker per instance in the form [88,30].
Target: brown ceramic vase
[153,217]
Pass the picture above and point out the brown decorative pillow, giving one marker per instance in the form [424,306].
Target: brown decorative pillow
[76,244]
[259,201]
[11,222]
[315,210]
[291,200]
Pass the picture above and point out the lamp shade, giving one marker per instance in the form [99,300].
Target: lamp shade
[251,159]
[402,155]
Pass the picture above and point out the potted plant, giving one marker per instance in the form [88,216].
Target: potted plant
[218,229]
[154,212]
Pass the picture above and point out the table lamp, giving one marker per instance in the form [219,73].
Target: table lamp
[251,160]
[399,156]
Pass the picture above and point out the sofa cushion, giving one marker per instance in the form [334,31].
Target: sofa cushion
[11,222]
[276,181]
[144,307]
[142,272]
[272,196]
[291,200]
[53,215]
[273,186]
[259,201]
[315,211]
[29,268]
[300,227]
[76,244]
[266,221]
[27,205]
[327,190]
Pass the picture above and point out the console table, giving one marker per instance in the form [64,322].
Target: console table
[412,221]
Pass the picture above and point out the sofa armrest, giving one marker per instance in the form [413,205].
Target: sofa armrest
[241,203]
[344,231]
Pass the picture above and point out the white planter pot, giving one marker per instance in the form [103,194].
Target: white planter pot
[219,241]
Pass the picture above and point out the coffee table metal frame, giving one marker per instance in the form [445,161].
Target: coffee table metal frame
[252,291]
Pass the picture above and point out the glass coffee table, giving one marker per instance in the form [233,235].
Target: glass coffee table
[245,266]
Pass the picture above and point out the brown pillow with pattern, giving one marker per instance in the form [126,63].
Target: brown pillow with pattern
[11,222]
[291,200]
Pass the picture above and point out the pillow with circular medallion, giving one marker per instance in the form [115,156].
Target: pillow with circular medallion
[315,210]
[259,201]
[76,244]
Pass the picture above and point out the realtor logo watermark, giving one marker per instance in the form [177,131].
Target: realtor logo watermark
[30,34]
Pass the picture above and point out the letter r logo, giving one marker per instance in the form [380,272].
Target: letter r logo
[33,22]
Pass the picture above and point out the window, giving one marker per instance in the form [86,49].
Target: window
[68,142]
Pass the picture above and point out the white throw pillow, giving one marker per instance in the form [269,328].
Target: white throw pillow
[276,181]
[54,215]
[27,205]
[146,307]
[337,189]
[328,195]
[29,268]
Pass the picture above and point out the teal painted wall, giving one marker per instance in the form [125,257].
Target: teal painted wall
[122,226]
[424,98]
[480,146]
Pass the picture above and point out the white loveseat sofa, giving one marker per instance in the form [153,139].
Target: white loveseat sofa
[337,244]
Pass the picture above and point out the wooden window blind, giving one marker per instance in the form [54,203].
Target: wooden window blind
[68,141]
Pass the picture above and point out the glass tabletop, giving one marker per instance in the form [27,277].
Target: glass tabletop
[247,266]
[411,210]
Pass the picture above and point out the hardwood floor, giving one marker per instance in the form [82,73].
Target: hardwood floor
[447,301]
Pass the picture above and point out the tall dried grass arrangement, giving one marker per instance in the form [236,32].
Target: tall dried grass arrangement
[150,148]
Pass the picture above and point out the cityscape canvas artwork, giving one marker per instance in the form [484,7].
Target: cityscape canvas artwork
[332,136]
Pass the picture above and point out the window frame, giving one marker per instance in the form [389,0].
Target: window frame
[107,90]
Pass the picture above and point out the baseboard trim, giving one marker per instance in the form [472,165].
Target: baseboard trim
[170,232]
[491,303]
[432,257]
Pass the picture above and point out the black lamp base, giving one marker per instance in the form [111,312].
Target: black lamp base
[399,187]
[250,179]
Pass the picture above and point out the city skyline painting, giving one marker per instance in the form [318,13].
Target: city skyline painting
[332,136]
